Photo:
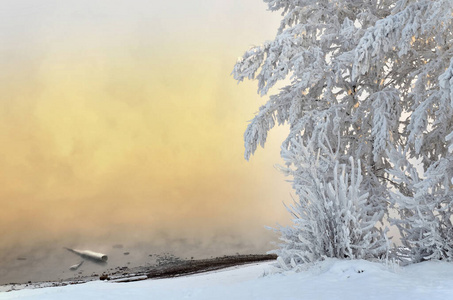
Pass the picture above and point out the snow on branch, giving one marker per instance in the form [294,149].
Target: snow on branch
[387,113]
[401,31]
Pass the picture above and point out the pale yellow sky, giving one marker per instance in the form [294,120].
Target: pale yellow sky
[120,120]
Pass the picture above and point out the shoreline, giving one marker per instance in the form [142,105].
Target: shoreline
[169,269]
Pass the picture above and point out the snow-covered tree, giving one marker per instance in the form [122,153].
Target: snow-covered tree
[425,207]
[332,217]
[373,80]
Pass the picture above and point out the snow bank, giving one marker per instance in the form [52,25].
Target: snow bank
[331,279]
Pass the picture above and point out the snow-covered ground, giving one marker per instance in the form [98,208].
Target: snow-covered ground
[331,279]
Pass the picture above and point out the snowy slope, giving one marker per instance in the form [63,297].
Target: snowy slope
[331,279]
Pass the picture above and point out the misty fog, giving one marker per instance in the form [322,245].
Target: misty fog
[120,125]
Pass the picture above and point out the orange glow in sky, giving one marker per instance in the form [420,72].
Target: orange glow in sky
[120,120]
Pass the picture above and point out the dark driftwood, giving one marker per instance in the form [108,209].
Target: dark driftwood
[205,265]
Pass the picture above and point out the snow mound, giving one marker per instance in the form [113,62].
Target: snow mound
[347,268]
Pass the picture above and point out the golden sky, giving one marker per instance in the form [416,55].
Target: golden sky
[120,119]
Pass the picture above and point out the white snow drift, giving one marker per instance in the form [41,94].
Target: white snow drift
[330,279]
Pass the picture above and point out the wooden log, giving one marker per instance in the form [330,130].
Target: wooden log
[88,254]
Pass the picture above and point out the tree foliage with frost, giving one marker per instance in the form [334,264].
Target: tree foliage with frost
[372,80]
[333,217]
